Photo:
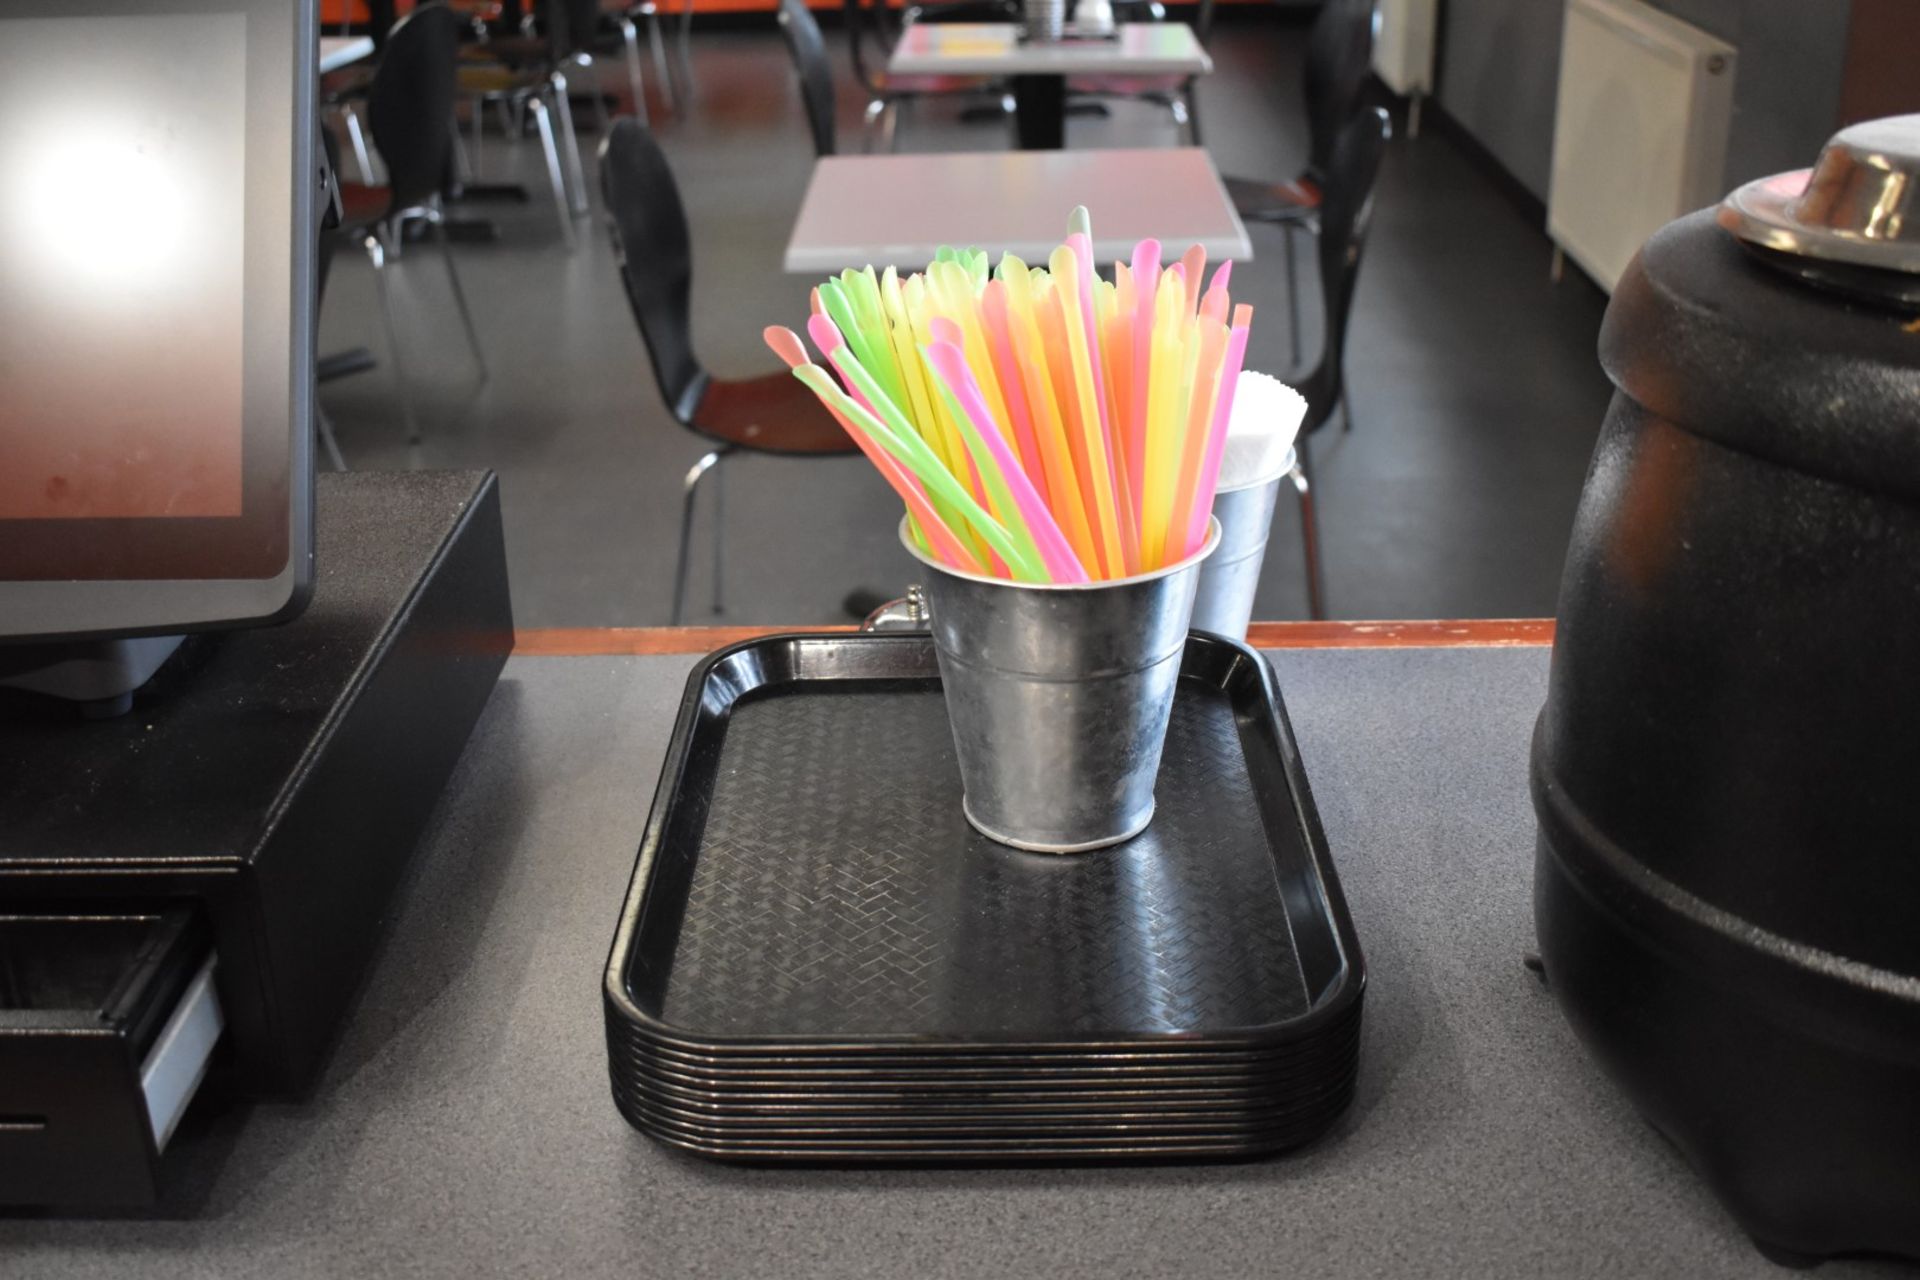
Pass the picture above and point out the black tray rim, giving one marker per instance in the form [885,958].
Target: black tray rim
[634,1052]
[1187,1059]
[1343,991]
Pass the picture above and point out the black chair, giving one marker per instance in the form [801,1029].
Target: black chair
[1339,55]
[772,413]
[1346,212]
[625,17]
[410,108]
[597,29]
[809,51]
[527,72]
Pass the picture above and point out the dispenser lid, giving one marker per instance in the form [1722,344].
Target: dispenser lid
[1856,208]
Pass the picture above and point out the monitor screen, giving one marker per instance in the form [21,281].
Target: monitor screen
[156,260]
[121,298]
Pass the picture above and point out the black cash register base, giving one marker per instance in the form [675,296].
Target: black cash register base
[205,878]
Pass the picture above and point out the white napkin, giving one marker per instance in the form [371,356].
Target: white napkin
[1266,417]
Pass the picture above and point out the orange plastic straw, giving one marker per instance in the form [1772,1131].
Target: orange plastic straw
[1194,262]
[1099,479]
[1049,418]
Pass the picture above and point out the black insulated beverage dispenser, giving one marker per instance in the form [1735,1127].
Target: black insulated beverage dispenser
[1727,769]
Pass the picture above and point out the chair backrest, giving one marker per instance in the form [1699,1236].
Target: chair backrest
[381,15]
[864,23]
[1346,212]
[655,253]
[1203,21]
[1339,56]
[816,74]
[410,103]
[577,23]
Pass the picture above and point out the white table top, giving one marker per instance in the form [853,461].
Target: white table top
[994,49]
[339,51]
[890,210]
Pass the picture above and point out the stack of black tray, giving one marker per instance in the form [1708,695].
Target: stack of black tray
[819,960]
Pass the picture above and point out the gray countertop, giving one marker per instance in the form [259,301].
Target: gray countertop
[464,1125]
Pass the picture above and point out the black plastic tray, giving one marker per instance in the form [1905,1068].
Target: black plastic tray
[814,937]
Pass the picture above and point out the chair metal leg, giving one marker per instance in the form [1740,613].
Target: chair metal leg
[439,225]
[378,253]
[559,183]
[890,125]
[462,166]
[630,41]
[876,108]
[324,426]
[1309,530]
[689,488]
[719,528]
[589,64]
[479,109]
[1293,297]
[571,155]
[1192,104]
[357,139]
[668,94]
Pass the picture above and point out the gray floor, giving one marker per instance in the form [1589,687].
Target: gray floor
[1473,380]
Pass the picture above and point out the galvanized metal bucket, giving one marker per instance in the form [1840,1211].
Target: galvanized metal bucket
[1044,21]
[1223,603]
[1059,697]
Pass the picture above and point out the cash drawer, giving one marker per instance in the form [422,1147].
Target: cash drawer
[108,1020]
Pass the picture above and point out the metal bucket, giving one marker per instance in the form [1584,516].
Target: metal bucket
[1059,697]
[1045,20]
[1223,603]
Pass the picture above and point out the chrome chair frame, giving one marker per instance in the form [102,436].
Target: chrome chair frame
[381,242]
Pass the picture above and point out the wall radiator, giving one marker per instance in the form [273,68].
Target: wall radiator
[1640,131]
[1403,37]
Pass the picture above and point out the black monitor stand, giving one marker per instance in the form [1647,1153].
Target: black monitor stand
[99,675]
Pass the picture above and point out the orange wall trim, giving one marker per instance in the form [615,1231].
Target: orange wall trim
[573,642]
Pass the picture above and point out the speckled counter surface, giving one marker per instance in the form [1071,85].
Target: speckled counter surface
[464,1126]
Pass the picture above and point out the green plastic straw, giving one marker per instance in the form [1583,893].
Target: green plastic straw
[917,458]
[870,347]
[1025,557]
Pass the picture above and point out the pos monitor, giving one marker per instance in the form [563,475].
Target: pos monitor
[158,182]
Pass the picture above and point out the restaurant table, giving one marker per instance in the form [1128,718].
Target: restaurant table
[464,1126]
[343,51]
[896,210]
[1039,70]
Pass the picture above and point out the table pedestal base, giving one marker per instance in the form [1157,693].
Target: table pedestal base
[1040,112]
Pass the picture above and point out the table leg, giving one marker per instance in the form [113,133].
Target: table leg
[1040,112]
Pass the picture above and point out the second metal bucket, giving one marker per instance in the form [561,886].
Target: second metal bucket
[1059,697]
[1223,602]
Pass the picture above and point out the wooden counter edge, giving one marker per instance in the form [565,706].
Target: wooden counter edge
[574,642]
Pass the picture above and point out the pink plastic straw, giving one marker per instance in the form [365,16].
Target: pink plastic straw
[826,335]
[786,344]
[993,307]
[1217,435]
[951,365]
[1117,474]
[1146,281]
